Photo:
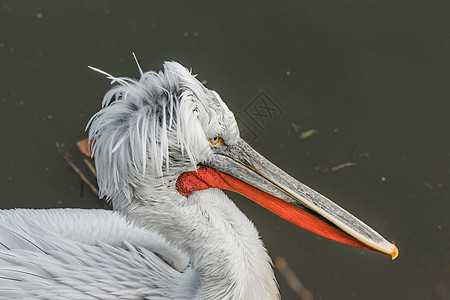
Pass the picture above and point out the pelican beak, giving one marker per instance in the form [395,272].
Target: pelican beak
[241,169]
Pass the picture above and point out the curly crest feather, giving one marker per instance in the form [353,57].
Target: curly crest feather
[147,127]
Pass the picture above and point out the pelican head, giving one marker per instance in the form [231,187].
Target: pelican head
[160,140]
[155,129]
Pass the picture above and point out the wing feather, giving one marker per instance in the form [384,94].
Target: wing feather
[85,254]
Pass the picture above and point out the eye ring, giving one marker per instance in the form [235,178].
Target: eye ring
[216,141]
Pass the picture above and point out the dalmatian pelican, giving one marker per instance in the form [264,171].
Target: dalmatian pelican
[165,147]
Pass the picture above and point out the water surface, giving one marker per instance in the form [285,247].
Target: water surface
[372,78]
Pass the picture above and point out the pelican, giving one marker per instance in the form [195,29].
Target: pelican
[165,147]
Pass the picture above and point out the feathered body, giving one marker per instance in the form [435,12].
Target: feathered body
[164,147]
[157,244]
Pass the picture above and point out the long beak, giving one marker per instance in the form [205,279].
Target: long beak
[241,169]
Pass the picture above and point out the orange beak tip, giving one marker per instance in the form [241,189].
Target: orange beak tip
[394,253]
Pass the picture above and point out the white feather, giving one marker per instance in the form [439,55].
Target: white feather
[158,244]
[81,253]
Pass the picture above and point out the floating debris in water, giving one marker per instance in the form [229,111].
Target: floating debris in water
[344,165]
[294,282]
[83,146]
[296,127]
[307,134]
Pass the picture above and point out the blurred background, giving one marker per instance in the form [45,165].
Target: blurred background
[350,97]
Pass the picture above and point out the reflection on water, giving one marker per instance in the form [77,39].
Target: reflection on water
[371,80]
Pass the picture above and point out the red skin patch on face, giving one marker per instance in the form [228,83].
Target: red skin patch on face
[205,178]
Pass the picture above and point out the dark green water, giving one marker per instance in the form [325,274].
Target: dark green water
[371,77]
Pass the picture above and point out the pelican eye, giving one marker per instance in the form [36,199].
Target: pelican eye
[216,141]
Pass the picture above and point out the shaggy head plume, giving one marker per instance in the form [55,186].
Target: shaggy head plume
[155,126]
